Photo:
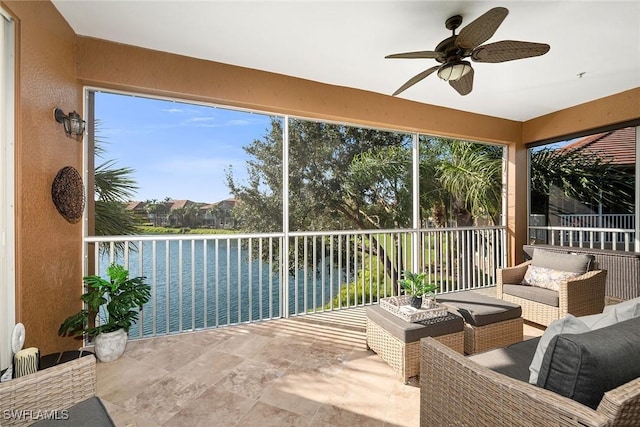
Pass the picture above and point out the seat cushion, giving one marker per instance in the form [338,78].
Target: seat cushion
[512,361]
[480,310]
[585,366]
[90,412]
[411,332]
[533,293]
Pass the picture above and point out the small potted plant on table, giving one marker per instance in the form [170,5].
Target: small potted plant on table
[116,303]
[416,285]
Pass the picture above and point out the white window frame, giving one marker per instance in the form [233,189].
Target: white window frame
[7,197]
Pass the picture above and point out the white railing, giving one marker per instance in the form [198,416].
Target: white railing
[604,221]
[624,221]
[593,238]
[205,281]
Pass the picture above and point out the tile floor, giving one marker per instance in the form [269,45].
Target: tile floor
[308,371]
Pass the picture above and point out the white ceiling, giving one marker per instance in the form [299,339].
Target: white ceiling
[344,43]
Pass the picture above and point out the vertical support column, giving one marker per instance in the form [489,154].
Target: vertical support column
[89,224]
[517,201]
[415,239]
[284,248]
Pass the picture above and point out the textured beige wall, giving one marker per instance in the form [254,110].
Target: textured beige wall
[618,108]
[48,248]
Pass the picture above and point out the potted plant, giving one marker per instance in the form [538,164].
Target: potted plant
[416,285]
[112,306]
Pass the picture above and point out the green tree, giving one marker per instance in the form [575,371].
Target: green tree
[114,187]
[155,208]
[340,178]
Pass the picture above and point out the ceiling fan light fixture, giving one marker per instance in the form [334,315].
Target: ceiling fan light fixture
[454,70]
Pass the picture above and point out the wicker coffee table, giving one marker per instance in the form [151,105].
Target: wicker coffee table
[397,342]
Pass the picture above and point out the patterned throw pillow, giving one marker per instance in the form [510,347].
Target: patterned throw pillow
[547,278]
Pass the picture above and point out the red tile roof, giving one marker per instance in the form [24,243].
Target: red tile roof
[619,145]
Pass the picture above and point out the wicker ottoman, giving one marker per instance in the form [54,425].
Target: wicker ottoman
[488,322]
[398,342]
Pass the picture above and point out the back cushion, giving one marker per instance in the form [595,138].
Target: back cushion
[585,366]
[546,277]
[574,263]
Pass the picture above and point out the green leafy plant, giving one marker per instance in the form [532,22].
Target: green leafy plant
[115,301]
[416,284]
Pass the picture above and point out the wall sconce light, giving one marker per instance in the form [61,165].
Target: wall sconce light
[73,123]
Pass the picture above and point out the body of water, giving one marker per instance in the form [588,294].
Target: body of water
[204,283]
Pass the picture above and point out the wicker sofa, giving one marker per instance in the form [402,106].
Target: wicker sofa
[580,296]
[492,388]
[65,391]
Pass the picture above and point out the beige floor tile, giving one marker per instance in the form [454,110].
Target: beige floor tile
[165,398]
[210,367]
[264,415]
[215,407]
[250,378]
[281,351]
[290,399]
[244,344]
[130,378]
[172,356]
[122,418]
[335,416]
[310,385]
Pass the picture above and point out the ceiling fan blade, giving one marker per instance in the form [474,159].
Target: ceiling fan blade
[463,85]
[415,79]
[429,54]
[481,30]
[508,50]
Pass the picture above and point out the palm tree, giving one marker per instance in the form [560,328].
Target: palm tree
[472,174]
[113,187]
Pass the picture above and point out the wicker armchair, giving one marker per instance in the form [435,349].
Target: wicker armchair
[456,391]
[580,296]
[52,389]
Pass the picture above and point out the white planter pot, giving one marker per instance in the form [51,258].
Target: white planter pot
[109,346]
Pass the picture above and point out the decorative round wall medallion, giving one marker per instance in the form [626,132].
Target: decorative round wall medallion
[67,192]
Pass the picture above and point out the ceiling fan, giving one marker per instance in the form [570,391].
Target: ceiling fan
[452,51]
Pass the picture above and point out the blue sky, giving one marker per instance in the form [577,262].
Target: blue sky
[177,150]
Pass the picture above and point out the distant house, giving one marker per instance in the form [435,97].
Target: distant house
[220,214]
[185,213]
[139,211]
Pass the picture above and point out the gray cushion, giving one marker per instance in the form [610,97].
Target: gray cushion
[90,412]
[575,263]
[533,293]
[411,332]
[584,366]
[512,361]
[480,310]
